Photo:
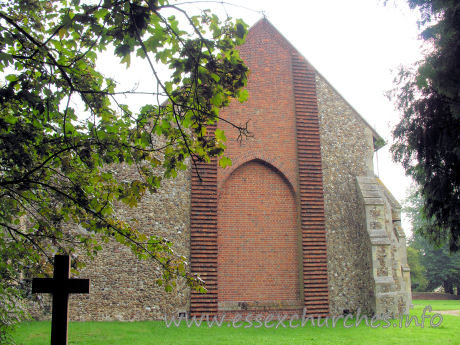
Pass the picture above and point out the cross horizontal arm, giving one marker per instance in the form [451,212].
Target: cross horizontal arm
[78,286]
[43,285]
[49,285]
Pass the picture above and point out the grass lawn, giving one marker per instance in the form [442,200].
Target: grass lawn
[155,332]
[436,304]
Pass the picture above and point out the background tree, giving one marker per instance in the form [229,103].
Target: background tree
[417,270]
[427,140]
[433,266]
[441,267]
[62,123]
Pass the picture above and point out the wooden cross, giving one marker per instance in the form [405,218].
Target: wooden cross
[60,286]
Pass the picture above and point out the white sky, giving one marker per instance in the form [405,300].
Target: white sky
[357,45]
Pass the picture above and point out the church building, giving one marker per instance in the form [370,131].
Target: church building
[298,220]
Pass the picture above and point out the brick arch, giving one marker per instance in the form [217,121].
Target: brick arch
[257,240]
[274,163]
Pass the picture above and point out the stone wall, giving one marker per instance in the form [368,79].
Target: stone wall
[347,150]
[121,286]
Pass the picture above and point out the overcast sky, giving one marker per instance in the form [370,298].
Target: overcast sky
[357,45]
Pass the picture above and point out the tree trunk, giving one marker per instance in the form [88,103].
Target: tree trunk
[448,287]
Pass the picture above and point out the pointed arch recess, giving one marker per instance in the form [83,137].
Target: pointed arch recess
[258,252]
[272,162]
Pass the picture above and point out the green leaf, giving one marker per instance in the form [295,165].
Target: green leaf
[225,162]
[101,13]
[62,33]
[11,77]
[126,60]
[217,99]
[243,95]
[220,135]
[215,77]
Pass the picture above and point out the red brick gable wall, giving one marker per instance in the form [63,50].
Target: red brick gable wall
[270,108]
[284,172]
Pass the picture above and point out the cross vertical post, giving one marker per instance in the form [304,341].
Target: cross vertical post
[60,286]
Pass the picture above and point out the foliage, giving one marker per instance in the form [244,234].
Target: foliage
[442,268]
[439,266]
[11,308]
[417,270]
[427,140]
[62,123]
